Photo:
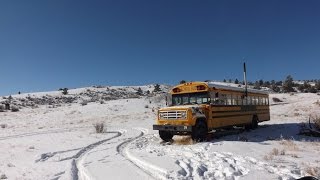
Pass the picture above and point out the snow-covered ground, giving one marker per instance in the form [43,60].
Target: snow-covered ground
[60,142]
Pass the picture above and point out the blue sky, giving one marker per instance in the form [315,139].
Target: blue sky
[46,45]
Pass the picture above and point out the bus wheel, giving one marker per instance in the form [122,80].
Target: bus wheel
[254,124]
[199,131]
[165,136]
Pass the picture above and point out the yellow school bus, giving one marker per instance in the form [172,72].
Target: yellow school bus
[200,107]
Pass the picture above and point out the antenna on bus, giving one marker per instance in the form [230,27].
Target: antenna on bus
[245,78]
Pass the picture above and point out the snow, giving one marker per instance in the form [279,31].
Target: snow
[61,142]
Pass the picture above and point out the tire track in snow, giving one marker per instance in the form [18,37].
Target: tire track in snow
[148,168]
[75,171]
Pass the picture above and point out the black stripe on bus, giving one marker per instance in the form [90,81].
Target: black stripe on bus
[237,115]
[239,111]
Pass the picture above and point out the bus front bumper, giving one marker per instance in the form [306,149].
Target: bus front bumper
[173,128]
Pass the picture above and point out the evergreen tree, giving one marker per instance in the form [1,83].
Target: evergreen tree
[236,81]
[224,80]
[260,82]
[301,87]
[182,81]
[279,83]
[288,84]
[65,91]
[257,85]
[266,84]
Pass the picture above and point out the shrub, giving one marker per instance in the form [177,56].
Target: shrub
[316,120]
[139,92]
[313,171]
[84,102]
[14,108]
[99,127]
[3,176]
[3,126]
[146,106]
[157,88]
[276,99]
[275,152]
[2,107]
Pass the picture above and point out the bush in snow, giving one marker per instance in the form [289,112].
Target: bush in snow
[316,120]
[3,176]
[313,171]
[99,127]
[14,108]
[157,88]
[3,126]
[276,99]
[139,92]
[2,107]
[84,102]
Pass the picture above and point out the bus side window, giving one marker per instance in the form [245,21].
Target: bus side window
[216,100]
[223,99]
[249,102]
[229,99]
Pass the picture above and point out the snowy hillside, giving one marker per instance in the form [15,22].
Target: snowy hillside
[55,139]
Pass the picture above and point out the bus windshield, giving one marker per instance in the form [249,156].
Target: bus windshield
[191,98]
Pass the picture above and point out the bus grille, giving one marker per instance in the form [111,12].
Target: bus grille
[173,114]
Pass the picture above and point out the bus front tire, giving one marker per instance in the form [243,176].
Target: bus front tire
[165,136]
[199,131]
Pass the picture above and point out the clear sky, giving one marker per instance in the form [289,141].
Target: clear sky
[49,44]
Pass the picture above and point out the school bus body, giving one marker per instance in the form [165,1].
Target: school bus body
[215,105]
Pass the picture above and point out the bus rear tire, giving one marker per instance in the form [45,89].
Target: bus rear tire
[165,136]
[199,131]
[253,124]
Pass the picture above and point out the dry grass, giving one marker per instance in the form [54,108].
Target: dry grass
[273,153]
[316,120]
[268,157]
[290,145]
[296,114]
[99,127]
[183,140]
[294,156]
[313,171]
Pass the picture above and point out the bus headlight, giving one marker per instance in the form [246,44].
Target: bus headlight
[183,115]
[161,115]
